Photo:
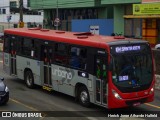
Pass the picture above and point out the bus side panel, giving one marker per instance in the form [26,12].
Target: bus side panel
[7,63]
[64,77]
[91,86]
[33,65]
[67,79]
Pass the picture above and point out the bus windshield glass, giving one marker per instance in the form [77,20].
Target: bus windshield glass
[132,67]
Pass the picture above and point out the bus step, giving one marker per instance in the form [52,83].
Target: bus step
[48,88]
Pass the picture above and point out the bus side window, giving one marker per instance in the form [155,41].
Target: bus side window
[36,48]
[61,56]
[74,59]
[18,45]
[83,58]
[45,54]
[13,44]
[78,57]
[32,49]
[6,43]
[28,47]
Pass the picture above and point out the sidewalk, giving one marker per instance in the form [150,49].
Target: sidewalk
[157,84]
[1,47]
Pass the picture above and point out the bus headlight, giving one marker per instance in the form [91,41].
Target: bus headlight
[116,95]
[151,91]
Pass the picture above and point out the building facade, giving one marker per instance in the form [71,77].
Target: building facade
[122,12]
[4,7]
[68,10]
[148,15]
[9,14]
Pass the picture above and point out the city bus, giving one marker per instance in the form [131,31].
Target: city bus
[109,71]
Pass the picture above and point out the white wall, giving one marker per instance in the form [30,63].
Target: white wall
[4,4]
[24,3]
[26,18]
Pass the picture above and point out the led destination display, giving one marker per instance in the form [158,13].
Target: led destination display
[127,48]
[132,48]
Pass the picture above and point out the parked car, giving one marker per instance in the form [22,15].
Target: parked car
[4,92]
[157,46]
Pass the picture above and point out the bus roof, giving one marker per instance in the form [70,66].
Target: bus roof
[86,39]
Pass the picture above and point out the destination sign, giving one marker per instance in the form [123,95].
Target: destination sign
[130,48]
[123,78]
[121,49]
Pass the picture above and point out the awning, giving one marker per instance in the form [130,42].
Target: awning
[141,16]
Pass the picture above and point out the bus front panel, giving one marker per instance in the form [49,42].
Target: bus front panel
[132,75]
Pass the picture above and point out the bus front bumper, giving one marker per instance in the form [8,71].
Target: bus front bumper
[120,103]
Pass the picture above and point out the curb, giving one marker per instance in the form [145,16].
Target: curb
[157,76]
[157,84]
[1,47]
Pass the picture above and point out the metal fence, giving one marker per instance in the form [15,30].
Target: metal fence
[64,25]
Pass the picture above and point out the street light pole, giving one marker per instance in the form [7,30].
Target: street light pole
[8,24]
[21,10]
[57,16]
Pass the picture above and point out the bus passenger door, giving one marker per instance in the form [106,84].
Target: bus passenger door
[47,52]
[101,84]
[13,56]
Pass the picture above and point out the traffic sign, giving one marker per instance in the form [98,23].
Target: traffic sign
[9,18]
[56,22]
[21,24]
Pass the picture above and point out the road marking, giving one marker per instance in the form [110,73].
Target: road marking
[31,108]
[44,114]
[3,110]
[27,106]
[152,105]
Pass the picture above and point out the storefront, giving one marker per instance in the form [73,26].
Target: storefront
[148,16]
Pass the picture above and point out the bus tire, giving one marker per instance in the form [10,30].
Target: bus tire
[84,96]
[29,80]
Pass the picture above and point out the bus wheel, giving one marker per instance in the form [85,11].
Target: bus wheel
[84,96]
[29,79]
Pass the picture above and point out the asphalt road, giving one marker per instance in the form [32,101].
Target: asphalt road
[53,103]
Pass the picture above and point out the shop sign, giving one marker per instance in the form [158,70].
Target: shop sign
[150,1]
[146,9]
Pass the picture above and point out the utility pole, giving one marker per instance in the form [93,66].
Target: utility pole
[57,16]
[21,10]
[21,23]
[57,20]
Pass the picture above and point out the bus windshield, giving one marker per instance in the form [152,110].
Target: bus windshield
[132,67]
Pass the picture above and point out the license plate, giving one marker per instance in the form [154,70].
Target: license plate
[136,104]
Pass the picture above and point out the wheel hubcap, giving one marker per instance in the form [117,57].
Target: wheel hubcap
[29,79]
[84,96]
